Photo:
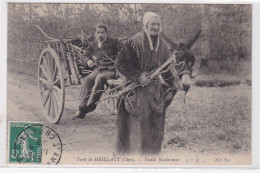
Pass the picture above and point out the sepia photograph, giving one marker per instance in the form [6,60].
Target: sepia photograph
[129,84]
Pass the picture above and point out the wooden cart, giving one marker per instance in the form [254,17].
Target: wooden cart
[59,67]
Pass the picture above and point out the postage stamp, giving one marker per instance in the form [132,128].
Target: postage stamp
[25,142]
[128,84]
[34,143]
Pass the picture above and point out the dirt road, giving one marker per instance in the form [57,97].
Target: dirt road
[213,120]
[95,133]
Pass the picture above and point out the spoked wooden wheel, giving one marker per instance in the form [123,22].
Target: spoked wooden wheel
[51,85]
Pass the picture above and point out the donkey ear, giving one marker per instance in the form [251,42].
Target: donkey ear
[90,38]
[171,45]
[82,36]
[82,33]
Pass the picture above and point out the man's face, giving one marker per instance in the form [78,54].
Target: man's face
[100,34]
[153,26]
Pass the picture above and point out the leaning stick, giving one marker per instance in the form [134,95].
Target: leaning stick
[134,85]
[45,33]
[171,59]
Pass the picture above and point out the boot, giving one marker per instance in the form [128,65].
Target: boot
[80,114]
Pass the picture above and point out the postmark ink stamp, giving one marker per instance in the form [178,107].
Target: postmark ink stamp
[34,143]
[51,147]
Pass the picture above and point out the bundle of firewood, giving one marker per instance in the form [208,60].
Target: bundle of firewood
[129,86]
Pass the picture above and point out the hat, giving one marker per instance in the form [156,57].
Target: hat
[146,18]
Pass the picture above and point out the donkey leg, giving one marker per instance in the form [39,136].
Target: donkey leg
[122,143]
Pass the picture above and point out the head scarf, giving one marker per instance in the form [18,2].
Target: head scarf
[146,18]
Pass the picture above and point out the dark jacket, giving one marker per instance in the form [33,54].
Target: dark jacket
[106,55]
[136,57]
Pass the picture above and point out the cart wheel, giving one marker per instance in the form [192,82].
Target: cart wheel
[51,85]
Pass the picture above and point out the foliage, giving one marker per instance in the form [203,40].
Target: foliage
[225,41]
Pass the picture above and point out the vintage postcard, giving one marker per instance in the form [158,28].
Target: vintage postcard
[129,85]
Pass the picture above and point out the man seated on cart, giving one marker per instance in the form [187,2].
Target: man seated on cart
[101,55]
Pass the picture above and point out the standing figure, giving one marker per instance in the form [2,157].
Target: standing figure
[101,55]
[141,113]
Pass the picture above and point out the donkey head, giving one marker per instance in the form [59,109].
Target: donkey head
[181,67]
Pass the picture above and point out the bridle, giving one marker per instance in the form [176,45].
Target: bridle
[177,69]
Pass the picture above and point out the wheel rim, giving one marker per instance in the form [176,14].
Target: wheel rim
[51,85]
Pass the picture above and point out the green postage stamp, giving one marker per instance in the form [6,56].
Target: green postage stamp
[33,143]
[25,142]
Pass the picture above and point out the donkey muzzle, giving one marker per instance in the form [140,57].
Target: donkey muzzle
[186,82]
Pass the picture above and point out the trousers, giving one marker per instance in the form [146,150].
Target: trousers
[92,88]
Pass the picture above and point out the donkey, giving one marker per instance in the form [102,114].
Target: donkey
[177,76]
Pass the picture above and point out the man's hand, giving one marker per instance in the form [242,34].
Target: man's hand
[90,63]
[143,80]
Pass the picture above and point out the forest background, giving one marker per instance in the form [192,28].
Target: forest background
[223,51]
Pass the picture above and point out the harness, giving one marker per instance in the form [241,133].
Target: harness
[176,74]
